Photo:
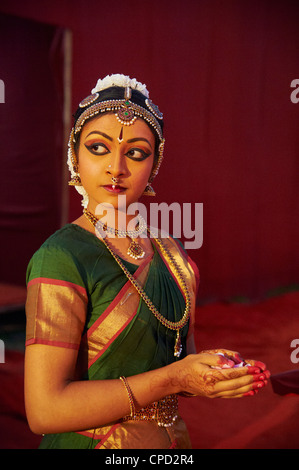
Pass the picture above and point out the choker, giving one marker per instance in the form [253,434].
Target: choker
[135,250]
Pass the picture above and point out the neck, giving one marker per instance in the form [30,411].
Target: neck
[114,218]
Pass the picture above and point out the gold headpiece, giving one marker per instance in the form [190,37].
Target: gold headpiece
[126,113]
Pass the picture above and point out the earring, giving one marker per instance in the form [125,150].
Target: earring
[149,191]
[75,181]
[72,161]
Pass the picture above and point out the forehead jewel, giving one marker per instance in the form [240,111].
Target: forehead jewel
[126,111]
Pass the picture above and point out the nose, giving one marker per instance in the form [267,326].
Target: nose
[117,165]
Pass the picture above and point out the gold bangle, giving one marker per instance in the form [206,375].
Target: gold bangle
[130,395]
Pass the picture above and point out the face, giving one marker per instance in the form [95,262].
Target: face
[101,156]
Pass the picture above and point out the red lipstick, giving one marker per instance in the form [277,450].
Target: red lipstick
[114,188]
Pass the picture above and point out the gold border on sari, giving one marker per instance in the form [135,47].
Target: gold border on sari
[56,313]
[189,271]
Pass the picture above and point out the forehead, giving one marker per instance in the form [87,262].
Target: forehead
[108,123]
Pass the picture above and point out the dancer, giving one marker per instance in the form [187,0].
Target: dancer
[110,306]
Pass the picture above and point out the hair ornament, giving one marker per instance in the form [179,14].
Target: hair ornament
[125,111]
[88,100]
[128,93]
[156,168]
[125,115]
[154,108]
[118,79]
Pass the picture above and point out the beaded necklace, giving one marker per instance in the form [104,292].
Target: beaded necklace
[135,250]
[176,326]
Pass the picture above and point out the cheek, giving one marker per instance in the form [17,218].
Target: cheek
[148,167]
[86,163]
[141,176]
[89,172]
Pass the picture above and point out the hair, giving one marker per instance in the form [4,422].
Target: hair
[117,93]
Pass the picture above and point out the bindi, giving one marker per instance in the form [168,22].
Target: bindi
[120,138]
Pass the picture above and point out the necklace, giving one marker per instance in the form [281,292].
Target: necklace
[135,250]
[176,326]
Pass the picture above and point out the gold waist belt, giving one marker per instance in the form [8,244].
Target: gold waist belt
[164,412]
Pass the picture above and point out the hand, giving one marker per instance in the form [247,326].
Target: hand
[237,358]
[216,373]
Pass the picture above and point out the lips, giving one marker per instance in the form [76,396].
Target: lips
[114,188]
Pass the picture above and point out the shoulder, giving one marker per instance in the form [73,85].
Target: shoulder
[63,254]
[62,241]
[71,239]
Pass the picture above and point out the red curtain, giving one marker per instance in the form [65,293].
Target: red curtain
[31,136]
[221,73]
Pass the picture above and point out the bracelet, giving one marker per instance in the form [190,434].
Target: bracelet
[130,395]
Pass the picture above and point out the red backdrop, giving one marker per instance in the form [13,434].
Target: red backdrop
[221,73]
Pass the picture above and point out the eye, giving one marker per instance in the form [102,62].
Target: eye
[97,148]
[137,154]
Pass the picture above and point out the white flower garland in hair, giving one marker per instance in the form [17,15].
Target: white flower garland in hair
[80,189]
[118,79]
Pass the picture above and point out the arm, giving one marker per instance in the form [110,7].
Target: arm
[55,402]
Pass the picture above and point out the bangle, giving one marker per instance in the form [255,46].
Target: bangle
[130,395]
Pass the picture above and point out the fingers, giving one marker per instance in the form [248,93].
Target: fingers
[232,355]
[236,357]
[245,391]
[221,373]
[238,383]
[254,363]
[215,360]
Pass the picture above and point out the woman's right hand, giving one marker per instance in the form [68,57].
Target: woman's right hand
[212,375]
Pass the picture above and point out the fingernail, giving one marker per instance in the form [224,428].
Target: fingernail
[258,385]
[228,365]
[253,370]
[249,394]
[257,377]
[225,363]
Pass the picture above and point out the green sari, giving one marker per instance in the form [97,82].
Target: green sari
[79,298]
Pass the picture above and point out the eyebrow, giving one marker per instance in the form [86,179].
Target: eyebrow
[135,139]
[100,133]
[139,138]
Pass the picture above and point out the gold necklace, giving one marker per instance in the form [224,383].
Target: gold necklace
[176,326]
[135,250]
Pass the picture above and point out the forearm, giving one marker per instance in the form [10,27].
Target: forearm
[81,405]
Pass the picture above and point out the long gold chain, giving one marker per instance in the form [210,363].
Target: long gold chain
[177,326]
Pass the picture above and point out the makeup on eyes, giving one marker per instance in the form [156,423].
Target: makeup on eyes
[97,147]
[143,154]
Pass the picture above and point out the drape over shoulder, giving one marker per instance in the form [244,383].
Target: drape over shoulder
[78,297]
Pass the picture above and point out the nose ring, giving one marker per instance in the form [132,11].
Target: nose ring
[114,180]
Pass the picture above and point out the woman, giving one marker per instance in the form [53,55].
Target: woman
[110,310]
